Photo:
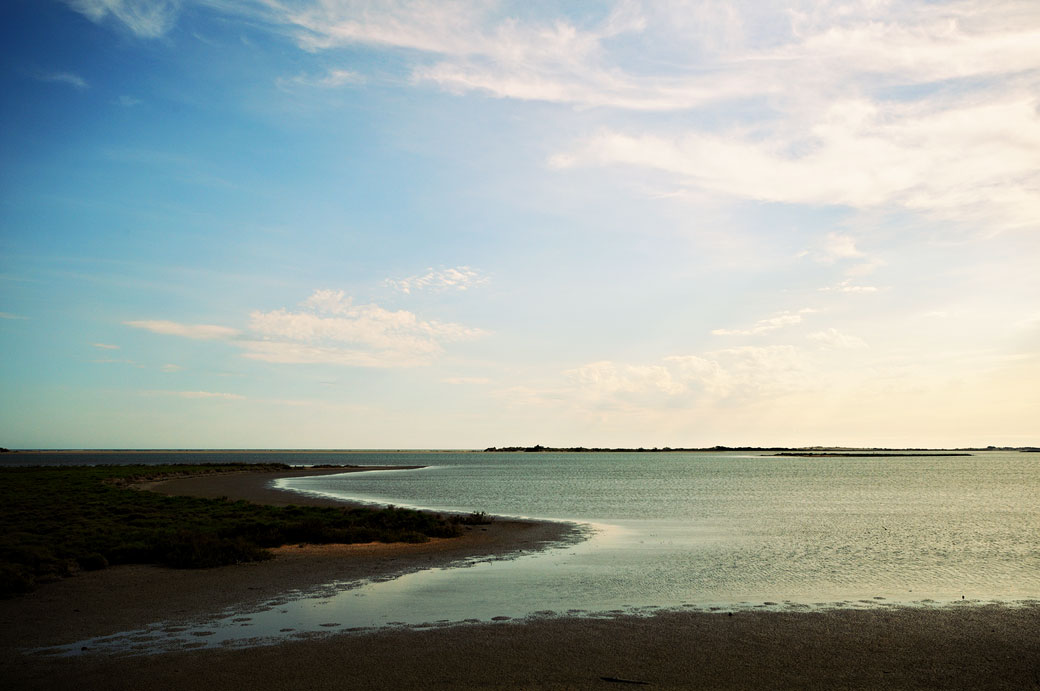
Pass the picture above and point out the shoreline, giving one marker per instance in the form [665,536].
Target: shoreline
[252,486]
[962,646]
[123,598]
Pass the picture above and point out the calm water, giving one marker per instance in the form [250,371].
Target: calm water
[728,527]
[672,530]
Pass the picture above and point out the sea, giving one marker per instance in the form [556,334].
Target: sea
[700,530]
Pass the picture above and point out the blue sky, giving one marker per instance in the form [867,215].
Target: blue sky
[340,224]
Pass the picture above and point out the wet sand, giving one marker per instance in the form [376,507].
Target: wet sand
[968,646]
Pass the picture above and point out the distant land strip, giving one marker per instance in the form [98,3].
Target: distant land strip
[865,454]
[538,448]
[776,450]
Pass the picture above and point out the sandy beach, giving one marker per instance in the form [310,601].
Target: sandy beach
[967,646]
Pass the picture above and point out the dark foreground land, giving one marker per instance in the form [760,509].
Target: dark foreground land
[967,646]
[56,521]
[970,647]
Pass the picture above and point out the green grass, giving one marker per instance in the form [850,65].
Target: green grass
[57,520]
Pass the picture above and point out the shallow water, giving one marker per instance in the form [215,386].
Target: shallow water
[736,526]
[673,530]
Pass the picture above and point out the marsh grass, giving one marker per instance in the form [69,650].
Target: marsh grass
[58,520]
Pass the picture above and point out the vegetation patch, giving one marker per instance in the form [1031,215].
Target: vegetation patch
[58,520]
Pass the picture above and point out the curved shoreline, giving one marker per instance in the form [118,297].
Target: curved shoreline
[255,486]
[128,597]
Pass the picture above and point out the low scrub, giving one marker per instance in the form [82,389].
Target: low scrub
[55,521]
[476,518]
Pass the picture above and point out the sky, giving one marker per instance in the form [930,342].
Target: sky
[350,224]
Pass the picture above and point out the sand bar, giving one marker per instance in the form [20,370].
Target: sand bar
[969,646]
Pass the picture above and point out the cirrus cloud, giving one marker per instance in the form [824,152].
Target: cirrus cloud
[143,18]
[69,78]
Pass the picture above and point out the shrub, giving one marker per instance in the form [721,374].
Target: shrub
[199,550]
[93,561]
[54,520]
[477,518]
[15,579]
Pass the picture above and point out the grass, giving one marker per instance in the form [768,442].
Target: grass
[55,521]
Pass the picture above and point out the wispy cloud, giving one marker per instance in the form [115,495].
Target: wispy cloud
[777,321]
[834,247]
[69,78]
[833,133]
[143,18]
[328,328]
[466,380]
[105,346]
[8,315]
[700,52]
[664,55]
[331,328]
[967,161]
[731,373]
[923,107]
[836,340]
[199,395]
[480,46]
[333,78]
[211,394]
[606,377]
[457,278]
[840,249]
[203,332]
[118,361]
[847,286]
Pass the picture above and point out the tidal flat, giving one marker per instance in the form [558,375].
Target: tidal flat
[972,643]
